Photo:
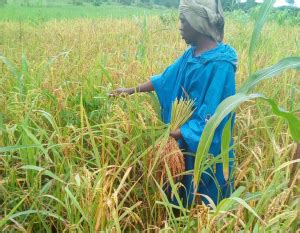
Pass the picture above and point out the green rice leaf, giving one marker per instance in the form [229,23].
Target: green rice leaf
[10,67]
[243,203]
[43,212]
[44,171]
[4,220]
[75,202]
[17,147]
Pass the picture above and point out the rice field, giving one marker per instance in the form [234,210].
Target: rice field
[59,10]
[72,159]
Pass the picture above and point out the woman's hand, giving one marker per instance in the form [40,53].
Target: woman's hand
[145,87]
[176,134]
[122,92]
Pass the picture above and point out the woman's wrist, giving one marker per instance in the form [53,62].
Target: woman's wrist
[131,90]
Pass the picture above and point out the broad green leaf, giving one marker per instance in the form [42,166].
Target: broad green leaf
[225,148]
[226,107]
[270,72]
[263,14]
[290,117]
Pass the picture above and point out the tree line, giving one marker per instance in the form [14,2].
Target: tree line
[228,5]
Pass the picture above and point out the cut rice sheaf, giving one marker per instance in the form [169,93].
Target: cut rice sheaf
[170,153]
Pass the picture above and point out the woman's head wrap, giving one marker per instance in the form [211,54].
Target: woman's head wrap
[205,16]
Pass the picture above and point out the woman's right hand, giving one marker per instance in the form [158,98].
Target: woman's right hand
[121,92]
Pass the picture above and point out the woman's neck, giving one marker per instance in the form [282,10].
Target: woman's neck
[203,44]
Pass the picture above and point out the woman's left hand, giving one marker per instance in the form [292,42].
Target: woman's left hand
[176,134]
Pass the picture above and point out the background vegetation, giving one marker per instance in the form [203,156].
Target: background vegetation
[72,159]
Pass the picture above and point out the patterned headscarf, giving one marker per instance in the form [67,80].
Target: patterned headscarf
[205,16]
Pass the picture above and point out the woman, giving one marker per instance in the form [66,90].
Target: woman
[206,73]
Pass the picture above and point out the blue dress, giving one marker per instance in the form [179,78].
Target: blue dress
[208,79]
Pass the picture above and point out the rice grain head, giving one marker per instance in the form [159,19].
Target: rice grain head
[173,157]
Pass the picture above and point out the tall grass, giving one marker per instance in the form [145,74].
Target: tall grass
[73,159]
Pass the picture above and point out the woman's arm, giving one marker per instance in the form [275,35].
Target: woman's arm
[145,87]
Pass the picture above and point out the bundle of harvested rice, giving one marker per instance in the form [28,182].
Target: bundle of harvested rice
[169,153]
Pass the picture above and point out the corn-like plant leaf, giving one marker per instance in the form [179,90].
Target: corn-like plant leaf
[225,148]
[227,106]
[263,14]
[270,72]
[290,117]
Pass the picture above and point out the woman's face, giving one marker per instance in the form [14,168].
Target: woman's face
[188,33]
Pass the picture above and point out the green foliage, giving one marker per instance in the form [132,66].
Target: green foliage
[126,2]
[70,11]
[77,2]
[74,160]
[97,2]
[168,3]
[229,5]
[231,103]
[248,5]
[3,2]
[169,19]
[286,16]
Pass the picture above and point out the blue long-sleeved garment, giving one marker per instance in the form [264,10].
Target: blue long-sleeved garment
[208,79]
